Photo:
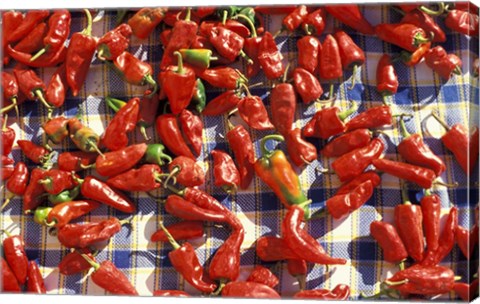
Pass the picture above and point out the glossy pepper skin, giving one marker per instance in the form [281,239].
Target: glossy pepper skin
[300,151]
[9,281]
[8,137]
[307,85]
[63,213]
[273,248]
[347,142]
[341,205]
[134,71]
[114,43]
[407,36]
[264,276]
[79,56]
[352,164]
[223,77]
[30,84]
[309,48]
[227,43]
[249,290]
[442,63]
[388,239]
[328,122]
[187,171]
[75,160]
[254,113]
[314,23]
[192,127]
[84,235]
[17,183]
[184,230]
[369,175]
[74,263]
[408,221]
[270,57]
[301,242]
[427,23]
[421,176]
[32,196]
[371,118]
[283,106]
[56,129]
[241,144]
[293,20]
[423,280]
[145,20]
[350,53]
[58,31]
[35,283]
[97,190]
[225,264]
[34,40]
[387,79]
[330,63]
[431,208]
[462,22]
[55,181]
[168,130]
[226,174]
[15,255]
[274,169]
[457,141]
[340,292]
[115,136]
[82,136]
[32,18]
[116,162]
[9,88]
[144,178]
[10,21]
[110,278]
[351,16]
[32,151]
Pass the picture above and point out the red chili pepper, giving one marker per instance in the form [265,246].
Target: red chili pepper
[35,283]
[415,151]
[408,220]
[145,178]
[388,239]
[463,22]
[6,173]
[115,162]
[300,151]
[223,77]
[421,176]
[360,179]
[315,20]
[186,171]
[171,136]
[97,190]
[351,54]
[226,174]
[427,23]
[307,85]
[165,36]
[463,290]
[309,48]
[31,85]
[58,31]
[352,164]
[225,264]
[56,129]
[9,281]
[387,79]
[340,292]
[10,91]
[55,181]
[10,21]
[83,235]
[347,142]
[253,112]
[115,136]
[351,16]
[272,248]
[114,42]
[75,160]
[422,280]
[17,183]
[34,152]
[135,71]
[249,290]
[301,242]
[184,32]
[298,269]
[49,59]
[328,122]
[412,59]
[79,56]
[270,58]
[330,63]
[184,230]
[405,35]
[8,137]
[341,205]
[371,118]
[57,87]
[7,161]
[192,127]
[170,293]
[228,43]
[32,18]
[34,40]
[431,208]
[32,197]
[474,148]
[263,275]
[174,77]
[445,242]
[74,263]
[242,147]
[14,253]
[64,213]
[148,112]
[110,278]
[442,63]
[82,136]
[464,240]
[293,20]
[145,20]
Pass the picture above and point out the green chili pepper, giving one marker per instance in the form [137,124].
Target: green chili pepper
[197,57]
[41,214]
[155,154]
[199,98]
[64,196]
[249,12]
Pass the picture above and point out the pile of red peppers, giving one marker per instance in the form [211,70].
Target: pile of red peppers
[201,47]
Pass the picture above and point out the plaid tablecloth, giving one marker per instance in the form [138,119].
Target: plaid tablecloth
[147,265]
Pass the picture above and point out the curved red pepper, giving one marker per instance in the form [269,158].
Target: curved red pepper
[226,174]
[387,79]
[227,43]
[231,25]
[307,85]
[63,213]
[431,208]
[421,280]
[145,20]
[464,240]
[270,58]
[32,151]
[315,20]
[408,220]
[110,278]
[115,136]
[144,178]
[371,118]
[184,230]
[169,132]
[9,87]
[182,208]
[31,85]
[347,142]
[192,127]
[309,48]
[341,205]
[300,151]
[34,40]
[58,31]
[114,42]
[263,276]
[17,183]
[75,160]
[272,248]
[283,103]
[427,23]
[186,171]
[293,20]
[115,162]
[35,283]
[10,21]
[463,22]
[135,71]
[419,175]
[241,144]
[48,59]
[223,77]
[298,269]
[351,16]
[55,181]
[388,239]
[330,63]
[32,18]
[405,35]
[74,263]
[97,190]
[360,179]
[9,281]
[222,104]
[442,63]
[351,54]
[32,197]
[15,255]
[327,122]
[340,292]
[249,290]
[225,264]
[253,112]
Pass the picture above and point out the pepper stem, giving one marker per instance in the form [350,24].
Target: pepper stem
[170,237]
[95,147]
[441,9]
[354,73]
[301,282]
[245,56]
[330,92]
[284,79]
[9,107]
[401,265]
[88,30]
[143,131]
[427,192]
[224,17]
[253,30]
[419,39]
[442,122]
[90,261]
[385,100]
[390,283]
[403,128]
[243,85]
[4,126]
[77,179]
[148,79]
[172,176]
[114,103]
[40,53]
[189,14]
[176,191]
[179,63]
[452,185]
[4,231]
[7,201]
[220,288]
[40,97]
[343,115]
[276,137]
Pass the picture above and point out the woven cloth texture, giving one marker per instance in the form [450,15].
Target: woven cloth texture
[421,91]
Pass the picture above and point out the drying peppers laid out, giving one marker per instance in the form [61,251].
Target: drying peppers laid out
[191,163]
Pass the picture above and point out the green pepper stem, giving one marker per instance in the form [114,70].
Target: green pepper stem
[354,73]
[441,9]
[90,261]
[330,92]
[307,29]
[253,30]
[175,171]
[148,79]
[4,231]
[265,151]
[427,192]
[77,179]
[179,63]
[189,14]
[114,103]
[448,185]
[457,70]
[39,94]
[176,191]
[143,131]
[95,147]
[170,237]
[88,30]
[4,126]
[222,284]
[9,107]
[385,100]
[401,265]
[419,39]
[40,53]
[390,283]
[442,122]
[7,201]
[224,17]
[245,56]
[127,220]
[403,128]
[343,115]
[243,85]
[284,79]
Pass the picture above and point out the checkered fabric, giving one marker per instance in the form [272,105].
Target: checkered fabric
[147,265]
